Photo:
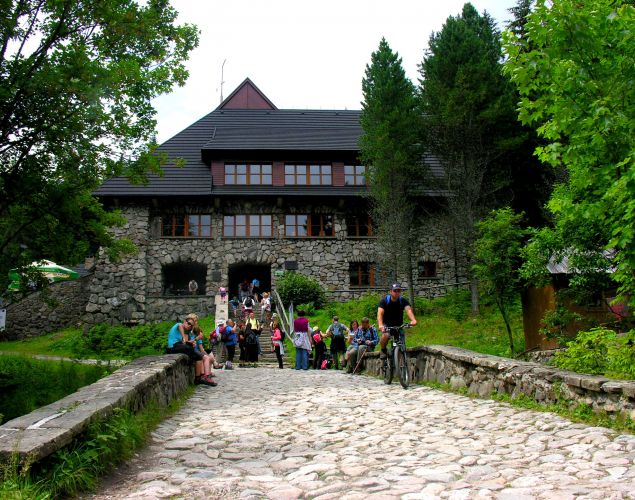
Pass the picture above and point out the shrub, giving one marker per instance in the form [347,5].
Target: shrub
[588,353]
[300,289]
[107,341]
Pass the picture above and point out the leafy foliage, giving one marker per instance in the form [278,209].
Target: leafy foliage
[76,83]
[574,70]
[22,389]
[600,351]
[122,342]
[299,289]
[497,260]
[77,467]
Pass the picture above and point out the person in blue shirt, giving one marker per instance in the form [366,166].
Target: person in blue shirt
[230,341]
[180,343]
[365,339]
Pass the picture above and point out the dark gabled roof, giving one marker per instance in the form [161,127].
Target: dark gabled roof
[247,95]
[194,179]
[285,130]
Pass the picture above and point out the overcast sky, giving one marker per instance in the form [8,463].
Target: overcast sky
[301,54]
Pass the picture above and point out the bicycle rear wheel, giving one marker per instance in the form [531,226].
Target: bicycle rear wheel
[401,365]
[387,369]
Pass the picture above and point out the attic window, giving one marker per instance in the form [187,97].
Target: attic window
[307,175]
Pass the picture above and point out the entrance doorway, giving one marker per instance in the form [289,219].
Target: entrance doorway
[244,271]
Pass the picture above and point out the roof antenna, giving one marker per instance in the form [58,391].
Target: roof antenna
[222,81]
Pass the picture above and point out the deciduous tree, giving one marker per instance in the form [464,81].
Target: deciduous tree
[575,71]
[76,83]
[497,260]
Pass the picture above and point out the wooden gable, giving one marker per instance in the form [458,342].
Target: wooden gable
[247,96]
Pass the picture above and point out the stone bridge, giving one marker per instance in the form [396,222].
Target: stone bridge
[281,434]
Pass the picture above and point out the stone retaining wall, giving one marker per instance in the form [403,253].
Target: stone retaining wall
[151,379]
[483,374]
[32,316]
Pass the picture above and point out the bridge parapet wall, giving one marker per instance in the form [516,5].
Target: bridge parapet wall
[483,374]
[148,380]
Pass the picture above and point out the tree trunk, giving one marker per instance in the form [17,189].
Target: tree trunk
[509,328]
[410,270]
[475,299]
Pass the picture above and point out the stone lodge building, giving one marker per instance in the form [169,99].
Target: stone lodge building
[263,190]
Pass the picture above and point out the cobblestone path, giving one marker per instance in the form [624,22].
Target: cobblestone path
[281,434]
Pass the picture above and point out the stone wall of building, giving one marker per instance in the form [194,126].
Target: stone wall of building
[33,316]
[117,292]
[483,374]
[135,288]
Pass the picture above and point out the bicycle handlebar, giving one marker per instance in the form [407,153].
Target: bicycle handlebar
[397,328]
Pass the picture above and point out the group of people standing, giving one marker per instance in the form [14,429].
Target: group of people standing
[349,343]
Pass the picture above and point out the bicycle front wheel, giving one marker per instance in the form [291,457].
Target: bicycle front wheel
[387,369]
[401,365]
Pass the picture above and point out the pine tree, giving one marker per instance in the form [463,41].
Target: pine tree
[389,147]
[468,110]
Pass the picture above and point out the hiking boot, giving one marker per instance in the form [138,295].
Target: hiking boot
[209,381]
[197,381]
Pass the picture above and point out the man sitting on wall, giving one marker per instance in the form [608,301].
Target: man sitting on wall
[365,339]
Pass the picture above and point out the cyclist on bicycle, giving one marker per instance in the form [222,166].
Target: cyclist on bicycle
[390,314]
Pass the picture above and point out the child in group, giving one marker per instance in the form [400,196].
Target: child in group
[278,341]
[180,343]
[320,348]
[222,291]
[235,304]
[196,335]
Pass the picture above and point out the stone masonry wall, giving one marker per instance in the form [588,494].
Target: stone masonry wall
[483,374]
[135,285]
[118,289]
[32,316]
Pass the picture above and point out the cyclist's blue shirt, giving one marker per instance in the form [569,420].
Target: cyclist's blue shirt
[393,311]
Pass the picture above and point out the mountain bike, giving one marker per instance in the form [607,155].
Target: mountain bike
[397,359]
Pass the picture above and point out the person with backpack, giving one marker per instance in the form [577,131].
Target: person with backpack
[230,339]
[320,348]
[244,290]
[390,314]
[277,340]
[248,306]
[256,327]
[235,304]
[336,332]
[251,344]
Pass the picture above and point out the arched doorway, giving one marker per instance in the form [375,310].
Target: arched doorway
[247,271]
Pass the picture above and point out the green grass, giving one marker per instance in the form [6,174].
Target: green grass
[54,344]
[77,467]
[27,384]
[101,342]
[440,321]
